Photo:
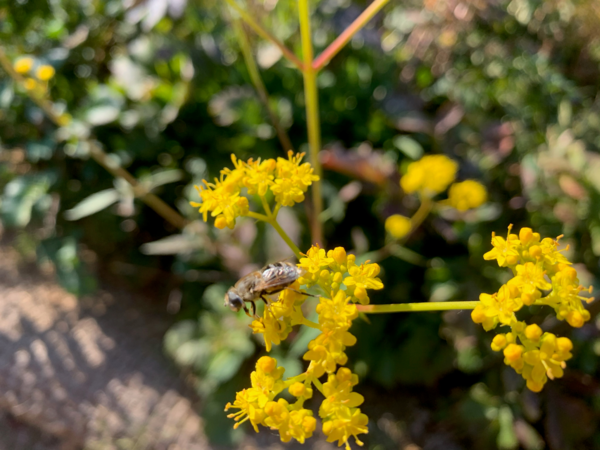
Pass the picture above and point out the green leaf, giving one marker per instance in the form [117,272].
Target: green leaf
[92,204]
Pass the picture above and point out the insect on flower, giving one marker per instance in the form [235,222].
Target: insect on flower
[271,279]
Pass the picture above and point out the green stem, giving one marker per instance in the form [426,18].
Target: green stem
[416,307]
[311,100]
[334,48]
[311,324]
[284,236]
[259,85]
[258,216]
[266,207]
[265,34]
[421,214]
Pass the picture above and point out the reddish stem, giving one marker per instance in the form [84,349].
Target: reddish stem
[334,48]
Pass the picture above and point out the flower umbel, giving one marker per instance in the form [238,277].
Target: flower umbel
[344,283]
[224,199]
[542,276]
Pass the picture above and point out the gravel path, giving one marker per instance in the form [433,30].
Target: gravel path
[86,374]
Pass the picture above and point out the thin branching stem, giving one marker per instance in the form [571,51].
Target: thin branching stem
[260,30]
[339,43]
[311,100]
[259,85]
[417,307]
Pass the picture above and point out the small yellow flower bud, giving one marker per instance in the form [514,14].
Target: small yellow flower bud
[534,386]
[398,226]
[324,275]
[344,374]
[338,254]
[564,345]
[361,293]
[23,65]
[513,352]
[220,222]
[338,277]
[297,389]
[45,72]
[266,364]
[478,315]
[569,273]
[525,235]
[499,342]
[575,319]
[535,251]
[533,332]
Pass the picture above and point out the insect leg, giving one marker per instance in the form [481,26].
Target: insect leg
[302,293]
[246,310]
[267,302]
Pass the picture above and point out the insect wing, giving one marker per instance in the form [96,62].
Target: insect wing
[276,277]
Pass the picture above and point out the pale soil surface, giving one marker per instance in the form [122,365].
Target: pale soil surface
[88,373]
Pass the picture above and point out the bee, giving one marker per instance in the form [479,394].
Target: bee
[271,279]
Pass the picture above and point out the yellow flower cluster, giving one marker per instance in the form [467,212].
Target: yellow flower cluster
[287,179]
[542,276]
[430,175]
[257,404]
[466,195]
[344,283]
[43,72]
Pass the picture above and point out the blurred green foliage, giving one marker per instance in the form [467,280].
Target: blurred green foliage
[507,88]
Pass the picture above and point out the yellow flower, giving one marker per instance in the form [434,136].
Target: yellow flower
[259,176]
[341,417]
[530,278]
[316,259]
[23,65]
[326,351]
[287,179]
[539,269]
[466,195]
[505,251]
[361,278]
[279,317]
[44,72]
[398,226]
[430,175]
[266,384]
[292,180]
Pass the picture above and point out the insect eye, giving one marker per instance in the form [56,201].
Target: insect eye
[234,301]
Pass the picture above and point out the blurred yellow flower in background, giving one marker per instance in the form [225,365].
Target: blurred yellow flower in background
[466,195]
[23,65]
[430,175]
[398,226]
[44,72]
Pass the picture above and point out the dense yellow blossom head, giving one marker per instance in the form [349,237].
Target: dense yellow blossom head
[398,226]
[225,200]
[542,275]
[466,195]
[430,175]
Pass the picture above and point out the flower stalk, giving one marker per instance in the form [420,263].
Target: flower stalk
[417,307]
[311,100]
